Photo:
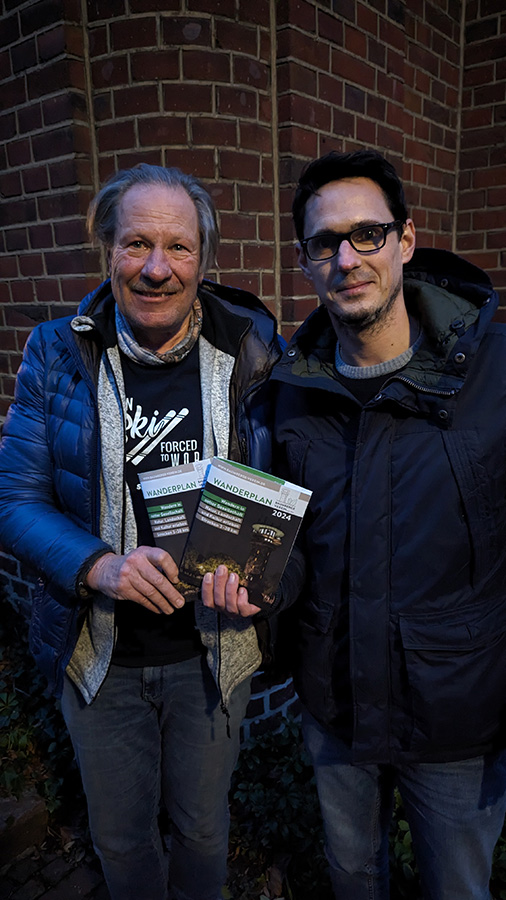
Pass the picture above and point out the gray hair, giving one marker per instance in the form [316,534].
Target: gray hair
[103,209]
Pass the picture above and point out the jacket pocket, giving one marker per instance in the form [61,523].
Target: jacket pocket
[456,671]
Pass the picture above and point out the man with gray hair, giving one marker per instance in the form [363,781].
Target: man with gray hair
[154,687]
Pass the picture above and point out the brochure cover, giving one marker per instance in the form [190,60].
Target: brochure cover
[171,496]
[248,521]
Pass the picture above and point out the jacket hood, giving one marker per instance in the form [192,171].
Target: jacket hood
[454,301]
[96,308]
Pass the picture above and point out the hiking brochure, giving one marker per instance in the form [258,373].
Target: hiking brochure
[171,496]
[248,521]
[214,512]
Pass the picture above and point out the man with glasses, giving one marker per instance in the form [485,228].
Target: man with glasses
[391,409]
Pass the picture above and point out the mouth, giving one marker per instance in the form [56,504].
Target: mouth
[152,295]
[351,288]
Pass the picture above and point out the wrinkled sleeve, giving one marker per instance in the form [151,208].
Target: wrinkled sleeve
[32,527]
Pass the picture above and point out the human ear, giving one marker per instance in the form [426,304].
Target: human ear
[302,261]
[408,240]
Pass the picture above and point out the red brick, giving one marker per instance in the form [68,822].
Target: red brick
[51,43]
[254,136]
[255,197]
[330,28]
[69,105]
[70,232]
[16,239]
[206,65]
[482,137]
[17,212]
[265,228]
[134,32]
[125,160]
[229,255]
[237,37]
[343,123]
[237,226]
[48,290]
[367,19]
[5,65]
[237,165]
[40,236]
[187,98]
[294,77]
[182,31]
[113,71]
[116,136]
[258,256]
[223,195]
[366,132]
[497,197]
[304,49]
[237,102]
[247,281]
[213,131]
[24,56]
[10,184]
[297,13]
[293,139]
[61,262]
[251,72]
[35,179]
[199,162]
[216,7]
[59,205]
[69,172]
[74,289]
[352,69]
[294,108]
[257,12]
[478,75]
[155,65]
[9,32]
[137,99]
[30,265]
[493,93]
[8,267]
[156,130]
[102,107]
[14,92]
[477,118]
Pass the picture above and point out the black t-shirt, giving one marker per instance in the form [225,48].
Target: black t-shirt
[163,425]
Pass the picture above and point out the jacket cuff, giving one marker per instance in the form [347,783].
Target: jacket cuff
[82,590]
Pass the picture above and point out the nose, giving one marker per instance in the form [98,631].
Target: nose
[347,257]
[157,266]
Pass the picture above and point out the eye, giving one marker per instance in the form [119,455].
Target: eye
[180,250]
[370,236]
[137,245]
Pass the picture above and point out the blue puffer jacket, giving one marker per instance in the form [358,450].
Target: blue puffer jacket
[405,539]
[50,451]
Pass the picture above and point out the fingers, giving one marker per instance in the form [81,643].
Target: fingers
[144,576]
[221,592]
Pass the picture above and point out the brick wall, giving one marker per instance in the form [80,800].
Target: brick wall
[381,74]
[482,179]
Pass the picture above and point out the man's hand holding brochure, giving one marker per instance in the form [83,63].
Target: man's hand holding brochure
[221,518]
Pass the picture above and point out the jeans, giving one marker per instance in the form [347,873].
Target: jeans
[455,811]
[153,736]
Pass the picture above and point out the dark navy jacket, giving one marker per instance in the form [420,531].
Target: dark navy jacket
[50,451]
[405,539]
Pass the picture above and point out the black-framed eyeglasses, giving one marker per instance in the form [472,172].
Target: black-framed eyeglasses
[366,239]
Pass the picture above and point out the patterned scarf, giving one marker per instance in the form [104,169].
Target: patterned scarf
[129,346]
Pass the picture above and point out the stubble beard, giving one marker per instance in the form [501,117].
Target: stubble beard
[367,320]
